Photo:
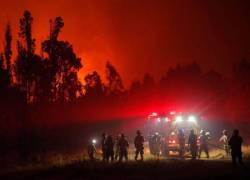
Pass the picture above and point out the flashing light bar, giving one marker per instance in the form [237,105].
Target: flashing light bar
[154,114]
[172,113]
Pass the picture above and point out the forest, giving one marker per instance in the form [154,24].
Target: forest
[43,91]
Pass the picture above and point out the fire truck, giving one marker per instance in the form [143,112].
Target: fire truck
[165,128]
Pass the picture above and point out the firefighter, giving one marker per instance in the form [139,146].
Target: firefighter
[192,144]
[110,149]
[150,144]
[164,146]
[92,150]
[157,144]
[123,148]
[181,138]
[235,143]
[103,143]
[204,137]
[224,139]
[138,142]
[117,147]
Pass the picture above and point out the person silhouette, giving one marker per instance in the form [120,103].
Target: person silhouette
[123,148]
[104,147]
[224,139]
[192,144]
[203,143]
[109,148]
[235,143]
[138,142]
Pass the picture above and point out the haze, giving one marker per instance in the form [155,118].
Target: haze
[140,36]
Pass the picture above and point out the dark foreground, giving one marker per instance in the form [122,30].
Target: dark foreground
[163,169]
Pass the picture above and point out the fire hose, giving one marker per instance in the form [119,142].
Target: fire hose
[219,147]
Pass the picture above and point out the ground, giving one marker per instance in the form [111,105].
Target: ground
[151,169]
[76,167]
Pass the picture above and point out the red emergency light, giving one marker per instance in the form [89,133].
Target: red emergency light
[172,141]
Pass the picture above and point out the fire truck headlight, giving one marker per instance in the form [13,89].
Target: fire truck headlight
[158,119]
[192,119]
[179,119]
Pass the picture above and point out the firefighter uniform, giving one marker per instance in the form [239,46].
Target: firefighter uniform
[156,144]
[138,142]
[150,144]
[91,151]
[123,148]
[203,144]
[117,147]
[110,148]
[224,139]
[181,138]
[192,142]
[235,143]
[104,148]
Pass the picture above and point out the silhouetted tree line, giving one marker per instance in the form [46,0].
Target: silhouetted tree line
[51,76]
[38,80]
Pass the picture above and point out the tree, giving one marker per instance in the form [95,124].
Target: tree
[135,87]
[27,64]
[5,61]
[182,76]
[115,84]
[4,80]
[94,88]
[214,81]
[242,73]
[63,65]
[148,82]
[26,32]
[71,88]
[8,50]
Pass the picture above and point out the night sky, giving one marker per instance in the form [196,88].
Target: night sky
[140,36]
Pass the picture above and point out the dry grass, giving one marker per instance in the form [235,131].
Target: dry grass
[246,152]
[45,161]
[150,169]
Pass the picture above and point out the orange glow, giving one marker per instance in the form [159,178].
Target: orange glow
[141,36]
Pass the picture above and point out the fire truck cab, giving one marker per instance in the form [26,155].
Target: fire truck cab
[167,126]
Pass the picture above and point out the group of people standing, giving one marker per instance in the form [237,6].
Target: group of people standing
[159,145]
[117,149]
[156,144]
[193,144]
[233,145]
